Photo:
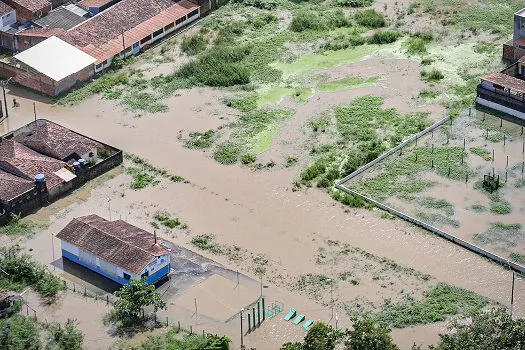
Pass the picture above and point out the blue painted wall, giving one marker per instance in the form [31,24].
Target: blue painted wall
[119,279]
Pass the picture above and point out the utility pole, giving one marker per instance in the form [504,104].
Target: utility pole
[512,294]
[242,333]
[123,42]
[53,249]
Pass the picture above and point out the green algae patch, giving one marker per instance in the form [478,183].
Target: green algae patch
[347,83]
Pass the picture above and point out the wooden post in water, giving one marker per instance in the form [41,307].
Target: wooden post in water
[493,155]
[507,162]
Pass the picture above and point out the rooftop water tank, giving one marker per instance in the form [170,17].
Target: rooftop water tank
[82,162]
[40,178]
[76,165]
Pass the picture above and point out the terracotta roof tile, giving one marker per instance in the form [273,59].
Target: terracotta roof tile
[101,36]
[5,8]
[21,161]
[506,81]
[12,186]
[117,242]
[41,32]
[55,141]
[32,5]
[94,3]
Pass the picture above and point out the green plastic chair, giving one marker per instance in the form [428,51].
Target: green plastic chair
[307,324]
[290,315]
[299,319]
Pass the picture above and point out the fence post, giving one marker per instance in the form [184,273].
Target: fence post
[258,313]
[167,322]
[263,309]
[249,323]
[107,299]
[178,328]
[74,288]
[191,329]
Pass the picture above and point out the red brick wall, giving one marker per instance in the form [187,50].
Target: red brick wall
[27,41]
[32,80]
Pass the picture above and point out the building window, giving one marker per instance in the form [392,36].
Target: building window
[193,13]
[158,32]
[145,40]
[136,45]
[98,66]
[126,276]
[169,26]
[145,274]
[180,20]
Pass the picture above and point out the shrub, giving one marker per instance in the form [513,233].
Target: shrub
[193,45]
[220,66]
[49,285]
[432,76]
[384,37]
[227,153]
[248,159]
[262,19]
[260,4]
[354,3]
[370,18]
[417,43]
[306,20]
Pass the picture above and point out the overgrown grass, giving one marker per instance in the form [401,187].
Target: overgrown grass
[207,242]
[439,204]
[439,303]
[438,219]
[370,18]
[500,208]
[501,235]
[165,219]
[347,83]
[144,174]
[200,140]
[312,284]
[481,152]
[384,37]
[417,43]
[432,76]
[354,3]
[16,226]
[194,44]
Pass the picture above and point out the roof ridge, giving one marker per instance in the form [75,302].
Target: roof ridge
[109,234]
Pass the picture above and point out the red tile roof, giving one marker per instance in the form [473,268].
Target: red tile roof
[94,3]
[5,8]
[117,242]
[31,5]
[19,160]
[42,32]
[101,36]
[55,141]
[506,81]
[12,186]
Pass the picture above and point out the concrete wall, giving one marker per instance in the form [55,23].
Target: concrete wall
[68,83]
[8,19]
[24,204]
[23,14]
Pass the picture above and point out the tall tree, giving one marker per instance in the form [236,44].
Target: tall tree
[321,337]
[66,337]
[366,335]
[487,331]
[133,298]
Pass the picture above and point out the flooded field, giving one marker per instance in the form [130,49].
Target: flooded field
[440,181]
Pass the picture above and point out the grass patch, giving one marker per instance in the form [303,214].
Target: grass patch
[144,174]
[194,44]
[16,226]
[478,208]
[384,37]
[417,44]
[227,153]
[501,235]
[519,258]
[432,76]
[354,3]
[370,18]
[439,204]
[481,152]
[347,83]
[165,219]
[103,84]
[141,179]
[500,208]
[200,140]
[428,94]
[312,284]
[439,303]
[207,242]
[291,161]
[437,219]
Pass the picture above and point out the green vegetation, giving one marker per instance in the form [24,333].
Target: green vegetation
[500,208]
[194,44]
[417,44]
[313,284]
[370,18]
[227,153]
[144,174]
[243,104]
[133,298]
[103,84]
[438,219]
[173,340]
[248,159]
[481,152]
[519,258]
[478,208]
[347,83]
[20,271]
[308,20]
[291,161]
[440,302]
[65,337]
[165,219]
[207,242]
[200,140]
[501,235]
[17,227]
[428,94]
[439,204]
[354,3]
[432,76]
[384,37]
[22,333]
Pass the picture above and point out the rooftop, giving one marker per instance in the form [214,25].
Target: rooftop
[55,141]
[55,58]
[41,32]
[94,3]
[32,5]
[60,17]
[101,35]
[117,242]
[4,8]
[21,161]
[12,186]
[507,81]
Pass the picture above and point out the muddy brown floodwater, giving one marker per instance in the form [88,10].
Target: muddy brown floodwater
[257,211]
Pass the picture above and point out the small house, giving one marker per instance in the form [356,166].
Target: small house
[114,249]
[28,10]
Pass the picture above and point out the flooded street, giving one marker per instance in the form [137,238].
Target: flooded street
[255,210]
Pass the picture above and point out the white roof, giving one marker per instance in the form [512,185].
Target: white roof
[65,174]
[55,58]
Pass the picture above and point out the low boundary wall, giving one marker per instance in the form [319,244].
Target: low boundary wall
[472,247]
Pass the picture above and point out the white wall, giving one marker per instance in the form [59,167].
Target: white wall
[70,248]
[8,19]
